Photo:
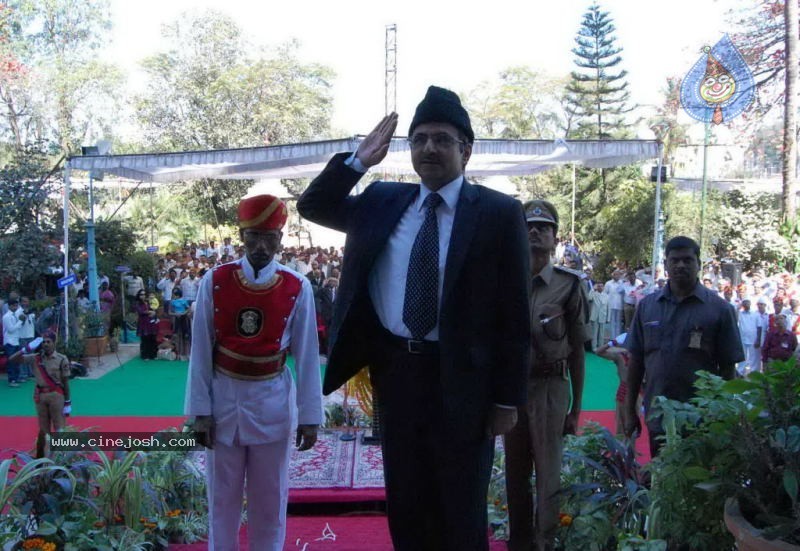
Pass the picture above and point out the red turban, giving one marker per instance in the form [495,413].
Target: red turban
[262,212]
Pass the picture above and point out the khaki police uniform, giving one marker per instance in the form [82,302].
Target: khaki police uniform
[557,309]
[49,400]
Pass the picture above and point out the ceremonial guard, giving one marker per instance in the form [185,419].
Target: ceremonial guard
[51,372]
[249,314]
[557,361]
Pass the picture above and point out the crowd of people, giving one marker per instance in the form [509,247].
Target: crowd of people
[767,307]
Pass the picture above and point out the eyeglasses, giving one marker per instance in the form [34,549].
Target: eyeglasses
[442,140]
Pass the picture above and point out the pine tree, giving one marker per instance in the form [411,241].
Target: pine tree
[596,95]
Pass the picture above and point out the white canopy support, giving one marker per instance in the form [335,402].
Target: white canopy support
[306,160]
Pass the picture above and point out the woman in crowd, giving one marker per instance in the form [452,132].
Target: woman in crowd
[147,327]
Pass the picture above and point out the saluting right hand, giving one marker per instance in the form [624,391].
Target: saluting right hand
[375,146]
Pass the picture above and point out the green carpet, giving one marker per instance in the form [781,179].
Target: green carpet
[600,386]
[156,388]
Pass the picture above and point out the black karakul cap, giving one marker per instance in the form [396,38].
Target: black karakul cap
[442,105]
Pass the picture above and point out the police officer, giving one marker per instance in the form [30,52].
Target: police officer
[51,371]
[557,359]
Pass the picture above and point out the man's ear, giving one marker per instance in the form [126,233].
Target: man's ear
[465,155]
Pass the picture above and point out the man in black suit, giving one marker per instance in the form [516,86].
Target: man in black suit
[433,298]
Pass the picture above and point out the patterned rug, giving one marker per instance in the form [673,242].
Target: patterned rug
[368,469]
[329,464]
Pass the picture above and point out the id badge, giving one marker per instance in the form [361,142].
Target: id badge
[695,339]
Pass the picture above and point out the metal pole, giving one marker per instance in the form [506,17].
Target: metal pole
[658,234]
[572,230]
[94,297]
[705,189]
[66,249]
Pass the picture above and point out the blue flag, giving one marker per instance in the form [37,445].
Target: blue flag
[720,86]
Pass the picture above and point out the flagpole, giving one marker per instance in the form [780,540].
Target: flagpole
[705,188]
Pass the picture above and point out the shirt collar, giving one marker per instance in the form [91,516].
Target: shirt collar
[264,275]
[700,293]
[448,192]
[546,273]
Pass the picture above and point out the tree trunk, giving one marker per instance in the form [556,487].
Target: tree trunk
[790,113]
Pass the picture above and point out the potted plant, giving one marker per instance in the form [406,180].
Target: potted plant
[765,508]
[95,333]
[737,442]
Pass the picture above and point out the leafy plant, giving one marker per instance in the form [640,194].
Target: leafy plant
[74,346]
[94,324]
[606,499]
[14,476]
[738,438]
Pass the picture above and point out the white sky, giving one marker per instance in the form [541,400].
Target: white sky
[442,42]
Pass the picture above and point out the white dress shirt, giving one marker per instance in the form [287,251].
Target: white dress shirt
[390,272]
[256,412]
[12,326]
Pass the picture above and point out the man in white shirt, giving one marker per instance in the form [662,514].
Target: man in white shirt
[752,332]
[12,326]
[165,286]
[189,285]
[227,248]
[599,316]
[631,293]
[247,316]
[613,288]
[26,334]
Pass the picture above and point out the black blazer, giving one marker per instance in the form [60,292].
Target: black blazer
[484,323]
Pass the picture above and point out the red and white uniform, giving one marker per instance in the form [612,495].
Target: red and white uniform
[240,330]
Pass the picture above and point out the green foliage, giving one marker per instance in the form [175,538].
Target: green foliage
[749,228]
[497,500]
[205,92]
[520,104]
[73,348]
[88,500]
[93,324]
[115,239]
[604,488]
[27,219]
[64,95]
[627,223]
[739,438]
[597,95]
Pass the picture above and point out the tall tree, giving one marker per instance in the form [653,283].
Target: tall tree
[61,92]
[28,218]
[789,188]
[768,42]
[206,91]
[597,94]
[521,103]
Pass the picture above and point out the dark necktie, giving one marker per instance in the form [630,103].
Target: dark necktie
[421,304]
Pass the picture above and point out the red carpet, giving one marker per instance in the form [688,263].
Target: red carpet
[356,533]
[19,433]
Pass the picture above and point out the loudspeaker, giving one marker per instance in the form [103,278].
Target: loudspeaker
[732,271]
[654,173]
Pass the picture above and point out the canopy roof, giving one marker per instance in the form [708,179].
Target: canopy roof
[306,160]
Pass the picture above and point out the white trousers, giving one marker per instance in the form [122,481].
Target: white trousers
[264,469]
[752,359]
[616,322]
